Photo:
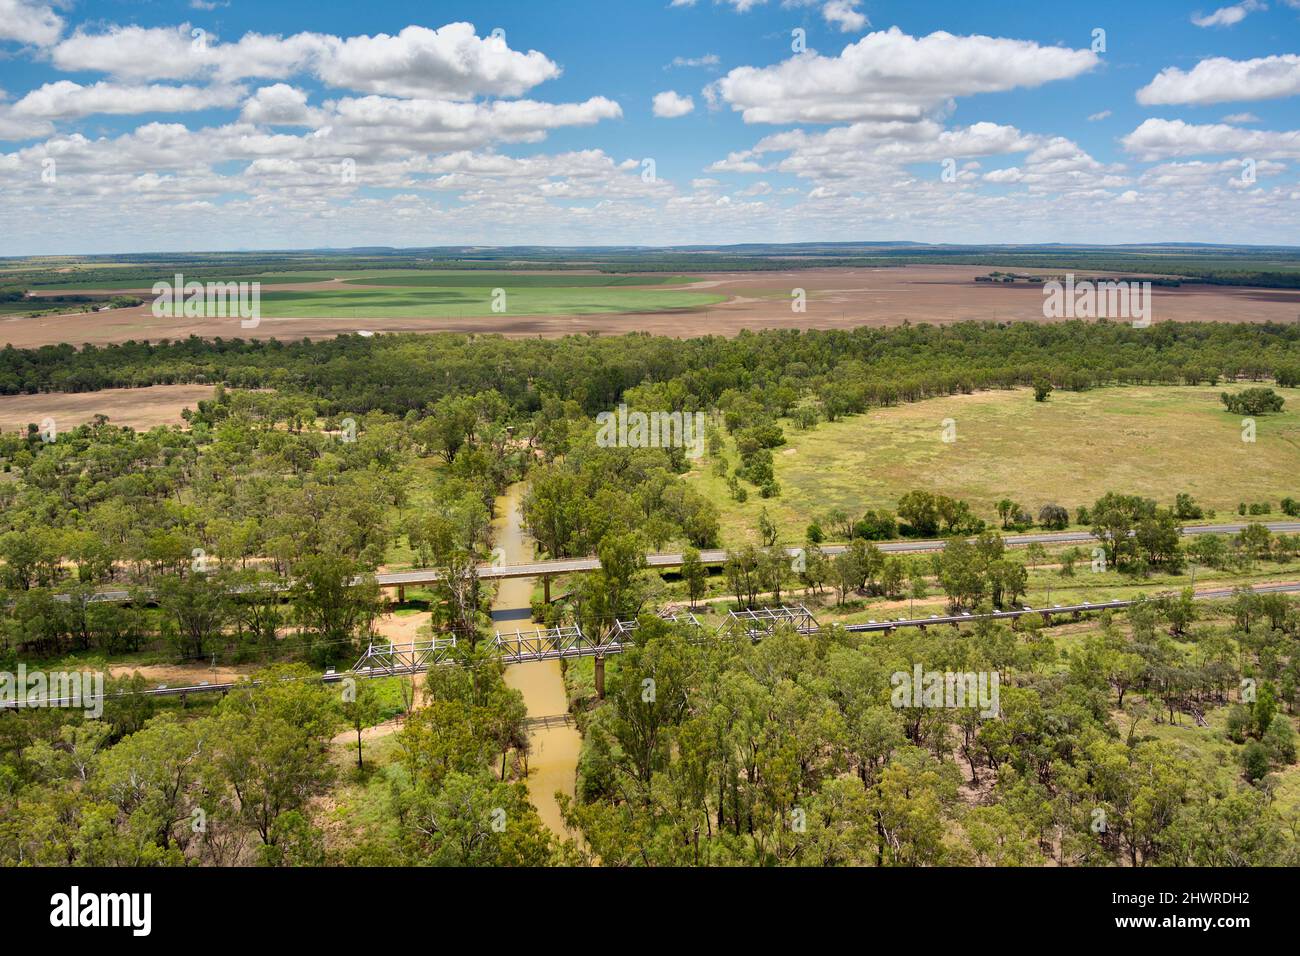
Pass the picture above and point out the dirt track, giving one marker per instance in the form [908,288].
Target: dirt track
[836,298]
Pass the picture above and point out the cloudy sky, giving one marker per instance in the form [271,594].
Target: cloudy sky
[131,125]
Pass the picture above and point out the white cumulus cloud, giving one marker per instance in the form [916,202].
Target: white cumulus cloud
[29,22]
[451,62]
[280,105]
[1227,16]
[670,104]
[66,100]
[891,75]
[1158,139]
[1222,80]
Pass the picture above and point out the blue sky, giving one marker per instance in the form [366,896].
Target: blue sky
[176,126]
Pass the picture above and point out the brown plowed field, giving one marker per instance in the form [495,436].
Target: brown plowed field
[140,408]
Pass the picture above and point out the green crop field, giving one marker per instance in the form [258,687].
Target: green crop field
[444,294]
[1069,450]
[23,306]
[507,280]
[475,301]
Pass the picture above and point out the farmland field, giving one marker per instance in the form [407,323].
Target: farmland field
[421,278]
[139,408]
[513,280]
[403,301]
[322,304]
[1069,450]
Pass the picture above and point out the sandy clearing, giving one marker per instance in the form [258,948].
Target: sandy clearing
[837,298]
[402,628]
[183,675]
[374,732]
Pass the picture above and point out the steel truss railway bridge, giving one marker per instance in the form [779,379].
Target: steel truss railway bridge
[569,641]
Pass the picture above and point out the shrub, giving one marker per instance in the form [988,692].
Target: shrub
[1253,401]
[1254,761]
[1053,517]
[1186,508]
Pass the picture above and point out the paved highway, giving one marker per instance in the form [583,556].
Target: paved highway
[673,559]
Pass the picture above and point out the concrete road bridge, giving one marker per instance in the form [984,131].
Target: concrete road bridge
[667,560]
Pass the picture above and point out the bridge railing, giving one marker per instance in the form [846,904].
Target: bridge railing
[552,643]
[757,623]
[570,641]
[391,659]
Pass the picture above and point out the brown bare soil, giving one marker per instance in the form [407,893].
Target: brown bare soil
[837,298]
[183,675]
[140,408]
[401,628]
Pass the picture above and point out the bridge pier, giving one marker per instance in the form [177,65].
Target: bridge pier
[600,676]
[546,588]
[401,594]
[1047,618]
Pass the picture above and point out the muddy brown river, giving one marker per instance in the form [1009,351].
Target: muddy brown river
[553,762]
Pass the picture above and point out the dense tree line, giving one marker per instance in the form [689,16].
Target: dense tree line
[847,371]
[793,751]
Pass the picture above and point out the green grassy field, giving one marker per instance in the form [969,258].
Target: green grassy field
[427,294]
[25,306]
[52,304]
[475,301]
[492,280]
[1070,450]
